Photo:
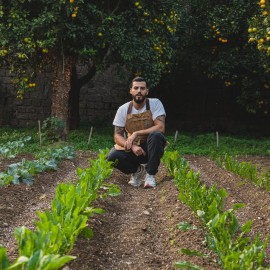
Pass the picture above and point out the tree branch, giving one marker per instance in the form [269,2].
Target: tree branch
[87,77]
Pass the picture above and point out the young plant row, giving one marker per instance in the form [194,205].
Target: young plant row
[48,246]
[224,234]
[11,148]
[23,172]
[246,170]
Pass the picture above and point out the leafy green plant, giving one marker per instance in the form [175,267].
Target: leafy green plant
[224,234]
[11,148]
[57,229]
[53,129]
[23,172]
[246,170]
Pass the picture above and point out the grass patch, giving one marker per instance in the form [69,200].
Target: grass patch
[101,138]
[206,144]
[186,143]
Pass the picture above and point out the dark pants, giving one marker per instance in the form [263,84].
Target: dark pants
[128,163]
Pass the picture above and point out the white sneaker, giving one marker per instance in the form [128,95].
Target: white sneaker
[150,181]
[136,178]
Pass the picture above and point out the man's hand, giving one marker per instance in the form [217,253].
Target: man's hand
[129,141]
[137,150]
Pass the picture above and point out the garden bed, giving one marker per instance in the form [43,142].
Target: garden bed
[138,229]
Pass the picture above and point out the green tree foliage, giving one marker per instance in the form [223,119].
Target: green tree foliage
[213,38]
[259,27]
[136,34]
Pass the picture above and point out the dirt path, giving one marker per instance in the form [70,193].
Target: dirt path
[138,229]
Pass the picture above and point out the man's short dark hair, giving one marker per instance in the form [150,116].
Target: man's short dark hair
[138,79]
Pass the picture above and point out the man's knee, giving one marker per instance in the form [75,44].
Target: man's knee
[112,155]
[156,136]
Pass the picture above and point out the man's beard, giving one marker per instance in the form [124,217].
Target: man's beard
[139,101]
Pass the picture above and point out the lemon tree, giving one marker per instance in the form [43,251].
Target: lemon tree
[42,35]
[259,27]
[213,38]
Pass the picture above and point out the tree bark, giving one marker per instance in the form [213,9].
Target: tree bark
[61,88]
[74,98]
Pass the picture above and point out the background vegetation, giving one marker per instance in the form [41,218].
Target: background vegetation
[210,58]
[185,143]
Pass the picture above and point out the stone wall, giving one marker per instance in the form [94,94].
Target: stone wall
[35,105]
[212,109]
[99,99]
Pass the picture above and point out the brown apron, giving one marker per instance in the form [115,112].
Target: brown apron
[135,122]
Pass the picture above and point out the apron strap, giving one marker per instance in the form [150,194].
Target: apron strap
[147,104]
[129,107]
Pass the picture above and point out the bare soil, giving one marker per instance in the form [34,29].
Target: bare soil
[138,229]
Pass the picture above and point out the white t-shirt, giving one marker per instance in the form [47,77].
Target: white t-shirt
[156,107]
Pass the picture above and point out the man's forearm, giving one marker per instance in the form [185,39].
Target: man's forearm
[119,137]
[120,140]
[148,130]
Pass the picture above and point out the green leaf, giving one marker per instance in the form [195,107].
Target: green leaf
[4,263]
[113,190]
[28,180]
[247,226]
[90,211]
[188,265]
[192,252]
[26,239]
[237,206]
[184,226]
[33,262]
[54,261]
[87,233]
[19,262]
[200,213]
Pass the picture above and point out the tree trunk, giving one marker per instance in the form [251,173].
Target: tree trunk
[74,101]
[61,88]
[74,97]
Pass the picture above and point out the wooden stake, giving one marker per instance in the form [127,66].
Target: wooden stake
[39,133]
[90,135]
[217,136]
[175,136]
